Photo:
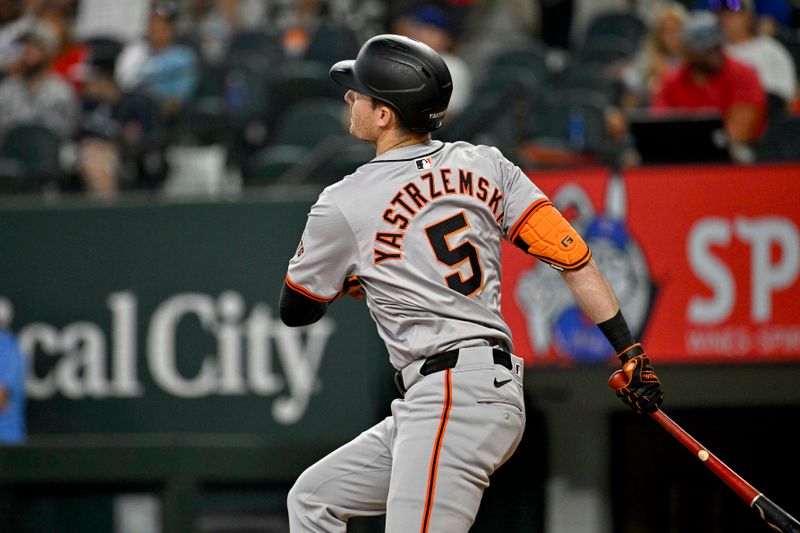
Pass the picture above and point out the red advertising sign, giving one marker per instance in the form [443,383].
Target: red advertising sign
[705,261]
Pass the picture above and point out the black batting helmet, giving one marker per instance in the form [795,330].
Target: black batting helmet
[403,72]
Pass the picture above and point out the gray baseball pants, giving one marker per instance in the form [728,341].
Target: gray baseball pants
[426,466]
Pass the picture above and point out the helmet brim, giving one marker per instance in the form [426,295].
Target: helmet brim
[343,74]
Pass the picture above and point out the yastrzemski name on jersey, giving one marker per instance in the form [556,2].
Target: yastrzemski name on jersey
[428,187]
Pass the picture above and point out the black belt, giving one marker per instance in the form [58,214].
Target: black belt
[448,359]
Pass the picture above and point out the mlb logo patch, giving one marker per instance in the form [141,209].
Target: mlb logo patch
[424,164]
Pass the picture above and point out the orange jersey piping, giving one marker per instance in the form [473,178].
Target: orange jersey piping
[305,292]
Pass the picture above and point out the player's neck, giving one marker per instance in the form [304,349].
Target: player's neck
[392,139]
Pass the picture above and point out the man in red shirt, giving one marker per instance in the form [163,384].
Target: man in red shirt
[710,80]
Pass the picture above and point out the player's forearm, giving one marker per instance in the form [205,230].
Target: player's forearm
[598,302]
[592,292]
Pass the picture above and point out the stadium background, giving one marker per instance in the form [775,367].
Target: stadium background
[164,394]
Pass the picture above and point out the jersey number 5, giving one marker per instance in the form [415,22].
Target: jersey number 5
[455,257]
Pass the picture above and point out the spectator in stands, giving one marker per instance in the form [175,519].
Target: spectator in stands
[209,24]
[36,94]
[710,80]
[12,382]
[245,15]
[365,17]
[71,56]
[661,53]
[493,27]
[14,22]
[457,11]
[770,15]
[119,142]
[432,25]
[158,66]
[770,58]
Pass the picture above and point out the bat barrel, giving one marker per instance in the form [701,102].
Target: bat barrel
[742,488]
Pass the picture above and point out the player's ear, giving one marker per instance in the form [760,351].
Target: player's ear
[386,115]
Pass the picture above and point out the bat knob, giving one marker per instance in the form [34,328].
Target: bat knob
[617,380]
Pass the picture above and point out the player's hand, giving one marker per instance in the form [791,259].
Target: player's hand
[642,389]
[352,287]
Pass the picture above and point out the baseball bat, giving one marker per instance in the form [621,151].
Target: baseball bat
[774,516]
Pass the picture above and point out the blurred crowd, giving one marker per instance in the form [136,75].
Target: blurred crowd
[103,96]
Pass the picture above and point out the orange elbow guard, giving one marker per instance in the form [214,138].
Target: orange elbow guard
[545,233]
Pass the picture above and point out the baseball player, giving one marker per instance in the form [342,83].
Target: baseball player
[416,231]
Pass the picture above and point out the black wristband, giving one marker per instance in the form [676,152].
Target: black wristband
[616,331]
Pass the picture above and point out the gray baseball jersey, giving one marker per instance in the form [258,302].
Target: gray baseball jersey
[421,227]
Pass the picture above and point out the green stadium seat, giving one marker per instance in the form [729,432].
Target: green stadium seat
[607,49]
[595,77]
[331,43]
[309,122]
[781,142]
[574,120]
[268,165]
[498,111]
[298,81]
[264,43]
[12,176]
[34,154]
[624,24]
[300,130]
[348,156]
[247,84]
[531,58]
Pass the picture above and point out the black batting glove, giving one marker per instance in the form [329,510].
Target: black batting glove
[642,390]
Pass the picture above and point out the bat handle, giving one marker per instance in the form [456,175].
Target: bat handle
[777,518]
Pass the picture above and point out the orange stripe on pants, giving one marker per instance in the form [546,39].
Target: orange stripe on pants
[437,448]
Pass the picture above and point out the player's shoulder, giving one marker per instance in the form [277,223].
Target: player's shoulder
[484,152]
[479,149]
[342,193]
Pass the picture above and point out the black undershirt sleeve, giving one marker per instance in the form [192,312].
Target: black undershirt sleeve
[297,309]
[616,331]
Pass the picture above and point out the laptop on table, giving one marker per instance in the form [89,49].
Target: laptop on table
[679,138]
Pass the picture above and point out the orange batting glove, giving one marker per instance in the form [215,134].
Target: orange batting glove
[642,391]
